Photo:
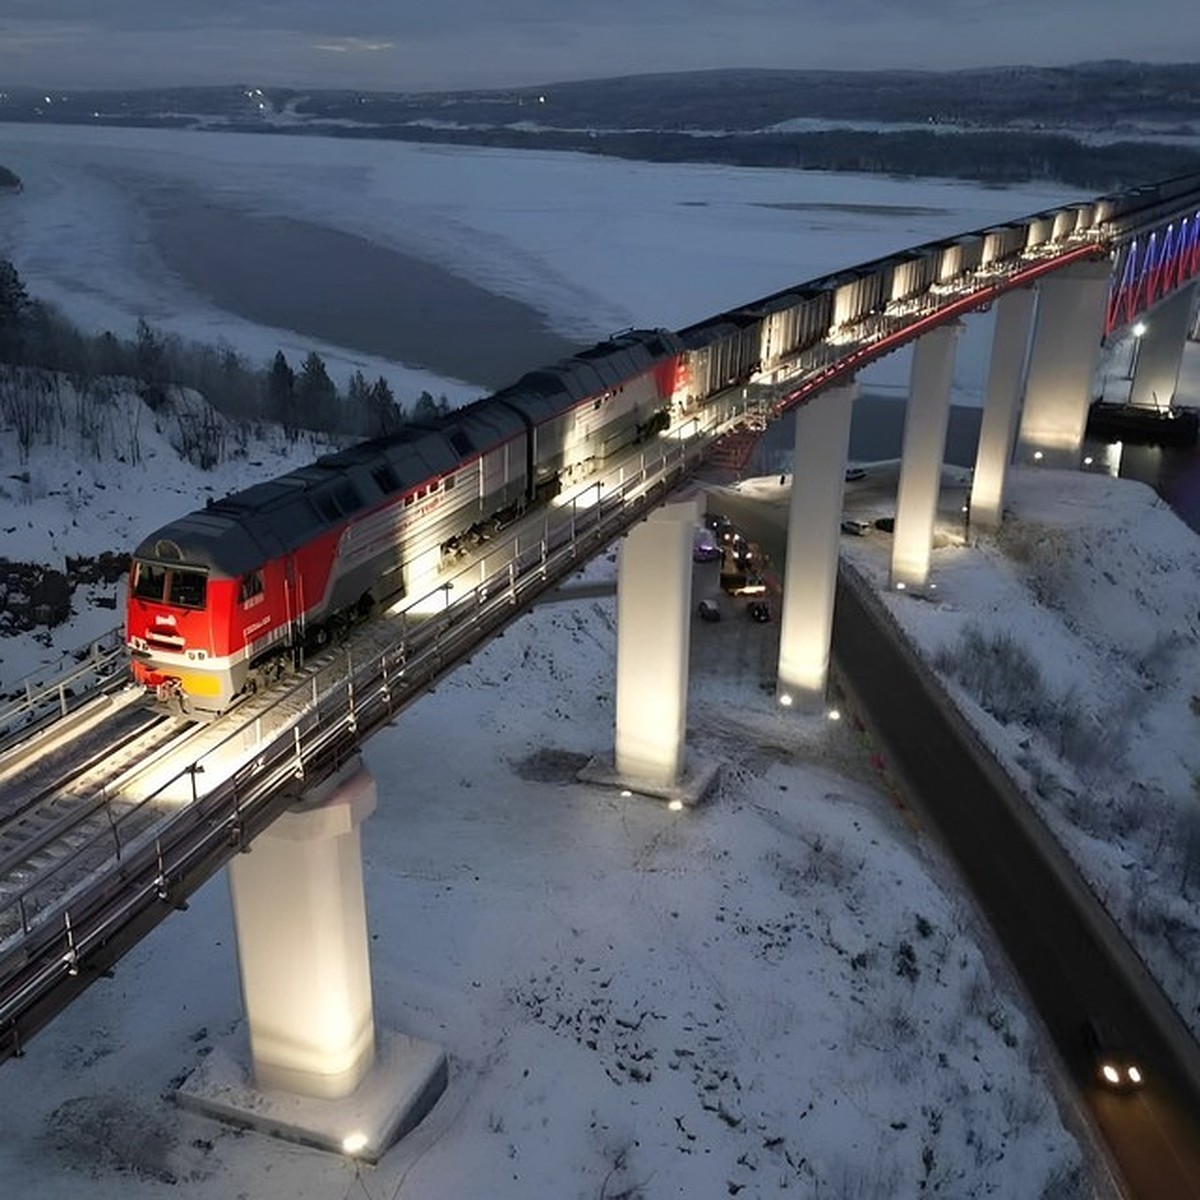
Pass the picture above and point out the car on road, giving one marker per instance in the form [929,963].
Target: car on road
[856,528]
[721,526]
[705,547]
[757,610]
[1116,1068]
[743,583]
[854,474]
[708,610]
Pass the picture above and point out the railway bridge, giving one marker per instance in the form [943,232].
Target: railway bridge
[150,804]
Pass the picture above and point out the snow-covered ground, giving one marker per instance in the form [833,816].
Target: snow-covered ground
[779,990]
[1098,585]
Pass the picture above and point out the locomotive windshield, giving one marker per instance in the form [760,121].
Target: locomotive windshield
[179,586]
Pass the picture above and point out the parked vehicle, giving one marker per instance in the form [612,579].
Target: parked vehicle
[758,611]
[705,547]
[743,583]
[708,610]
[856,528]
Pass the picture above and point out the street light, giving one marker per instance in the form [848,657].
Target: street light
[1139,331]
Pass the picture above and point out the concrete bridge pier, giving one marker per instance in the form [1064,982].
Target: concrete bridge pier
[810,569]
[654,606]
[654,610]
[317,1073]
[1159,351]
[1001,406]
[1062,365]
[922,449]
[654,602]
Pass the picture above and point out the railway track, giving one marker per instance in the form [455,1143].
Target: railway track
[71,804]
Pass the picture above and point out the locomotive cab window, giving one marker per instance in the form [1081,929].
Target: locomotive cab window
[187,589]
[252,586]
[149,581]
[177,586]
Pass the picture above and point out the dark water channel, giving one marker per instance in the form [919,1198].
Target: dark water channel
[346,290]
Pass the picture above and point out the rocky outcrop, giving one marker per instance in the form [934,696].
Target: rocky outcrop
[33,594]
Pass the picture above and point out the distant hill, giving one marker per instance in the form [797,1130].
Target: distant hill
[1099,126]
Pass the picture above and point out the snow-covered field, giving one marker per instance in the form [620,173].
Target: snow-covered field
[779,990]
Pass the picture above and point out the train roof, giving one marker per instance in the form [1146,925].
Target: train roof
[714,329]
[543,393]
[241,531]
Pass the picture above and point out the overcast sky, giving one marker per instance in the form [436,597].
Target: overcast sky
[404,44]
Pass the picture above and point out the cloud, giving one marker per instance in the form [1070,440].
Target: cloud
[480,43]
[350,45]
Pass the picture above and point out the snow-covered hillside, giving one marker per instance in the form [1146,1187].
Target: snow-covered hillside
[1080,627]
[96,471]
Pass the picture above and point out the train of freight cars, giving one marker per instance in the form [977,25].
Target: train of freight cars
[222,600]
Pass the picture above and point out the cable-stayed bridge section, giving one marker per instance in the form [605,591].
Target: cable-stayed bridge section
[113,810]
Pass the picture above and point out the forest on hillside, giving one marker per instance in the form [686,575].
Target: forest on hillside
[1097,126]
[35,337]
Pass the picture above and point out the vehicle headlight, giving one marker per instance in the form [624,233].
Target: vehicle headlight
[1110,1073]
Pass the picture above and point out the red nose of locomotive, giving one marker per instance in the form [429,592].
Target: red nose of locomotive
[169,632]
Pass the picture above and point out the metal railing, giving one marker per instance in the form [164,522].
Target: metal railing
[55,691]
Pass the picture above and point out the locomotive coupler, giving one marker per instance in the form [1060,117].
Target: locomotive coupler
[169,689]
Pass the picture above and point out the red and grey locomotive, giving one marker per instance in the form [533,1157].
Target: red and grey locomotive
[219,598]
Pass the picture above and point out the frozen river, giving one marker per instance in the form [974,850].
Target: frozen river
[452,268]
